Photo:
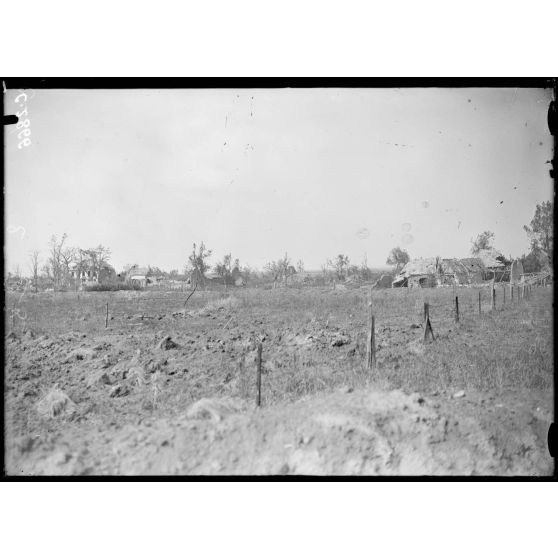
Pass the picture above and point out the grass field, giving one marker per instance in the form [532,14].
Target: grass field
[508,347]
[60,357]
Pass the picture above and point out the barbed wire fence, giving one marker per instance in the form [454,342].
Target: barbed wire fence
[124,313]
[111,311]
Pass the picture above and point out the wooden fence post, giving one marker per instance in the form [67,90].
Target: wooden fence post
[427,324]
[479,303]
[456,309]
[504,296]
[492,296]
[106,318]
[259,376]
[371,344]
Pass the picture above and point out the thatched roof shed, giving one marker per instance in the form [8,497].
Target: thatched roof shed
[492,259]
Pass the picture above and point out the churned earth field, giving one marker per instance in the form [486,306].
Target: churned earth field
[156,387]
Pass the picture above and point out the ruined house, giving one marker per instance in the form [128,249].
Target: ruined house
[422,272]
[88,271]
[438,272]
[452,272]
[138,275]
[474,268]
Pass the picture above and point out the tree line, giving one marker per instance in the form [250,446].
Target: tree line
[65,262]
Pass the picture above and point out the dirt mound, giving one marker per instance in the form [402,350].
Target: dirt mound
[55,403]
[356,433]
[215,409]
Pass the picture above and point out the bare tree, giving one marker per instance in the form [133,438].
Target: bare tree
[55,260]
[364,269]
[103,255]
[67,256]
[34,265]
[46,270]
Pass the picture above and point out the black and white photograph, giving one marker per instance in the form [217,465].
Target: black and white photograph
[250,280]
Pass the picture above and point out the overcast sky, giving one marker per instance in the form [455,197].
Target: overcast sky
[311,172]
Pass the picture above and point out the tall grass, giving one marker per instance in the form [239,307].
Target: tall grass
[508,348]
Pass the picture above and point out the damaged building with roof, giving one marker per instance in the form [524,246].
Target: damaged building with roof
[421,272]
[439,272]
[496,266]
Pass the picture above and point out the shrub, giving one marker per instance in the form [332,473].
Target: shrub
[113,287]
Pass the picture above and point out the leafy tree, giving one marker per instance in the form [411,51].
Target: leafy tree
[247,272]
[398,257]
[281,269]
[353,271]
[197,265]
[483,242]
[93,260]
[531,263]
[300,266]
[154,271]
[341,265]
[541,233]
[224,268]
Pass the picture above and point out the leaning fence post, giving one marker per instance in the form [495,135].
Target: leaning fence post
[456,309]
[106,318]
[259,376]
[479,303]
[427,324]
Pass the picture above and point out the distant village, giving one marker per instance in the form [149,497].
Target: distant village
[88,271]
[71,268]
